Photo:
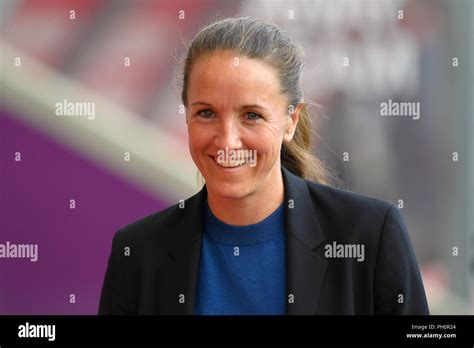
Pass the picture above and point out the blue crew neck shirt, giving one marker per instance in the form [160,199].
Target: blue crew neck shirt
[242,268]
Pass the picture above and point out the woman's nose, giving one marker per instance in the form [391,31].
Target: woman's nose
[228,135]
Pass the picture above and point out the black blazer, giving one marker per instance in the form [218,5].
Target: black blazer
[153,265]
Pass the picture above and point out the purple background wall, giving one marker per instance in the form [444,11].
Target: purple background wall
[73,245]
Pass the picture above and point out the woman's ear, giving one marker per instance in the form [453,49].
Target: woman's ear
[292,121]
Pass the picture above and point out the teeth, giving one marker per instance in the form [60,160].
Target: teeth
[231,164]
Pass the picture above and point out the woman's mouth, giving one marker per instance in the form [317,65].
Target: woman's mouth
[229,164]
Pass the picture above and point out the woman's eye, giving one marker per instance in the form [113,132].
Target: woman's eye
[252,116]
[206,113]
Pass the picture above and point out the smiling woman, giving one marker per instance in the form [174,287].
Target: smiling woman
[228,122]
[255,239]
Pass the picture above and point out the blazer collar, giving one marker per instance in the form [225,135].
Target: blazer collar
[305,269]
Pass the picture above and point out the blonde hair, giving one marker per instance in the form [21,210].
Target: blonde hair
[256,39]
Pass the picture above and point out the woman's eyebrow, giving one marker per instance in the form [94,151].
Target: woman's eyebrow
[202,103]
[252,106]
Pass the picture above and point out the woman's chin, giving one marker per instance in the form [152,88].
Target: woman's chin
[229,190]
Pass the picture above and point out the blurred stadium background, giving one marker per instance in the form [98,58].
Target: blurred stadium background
[132,159]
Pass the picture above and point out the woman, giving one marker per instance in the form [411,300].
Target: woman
[265,235]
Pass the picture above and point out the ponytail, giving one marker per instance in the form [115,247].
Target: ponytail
[296,155]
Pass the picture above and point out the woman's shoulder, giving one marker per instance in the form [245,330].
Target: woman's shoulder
[348,214]
[344,199]
[158,225]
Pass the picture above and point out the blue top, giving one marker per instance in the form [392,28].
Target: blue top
[242,268]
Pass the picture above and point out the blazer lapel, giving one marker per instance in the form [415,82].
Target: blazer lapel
[178,274]
[305,269]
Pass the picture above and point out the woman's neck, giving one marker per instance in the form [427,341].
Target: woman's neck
[250,209]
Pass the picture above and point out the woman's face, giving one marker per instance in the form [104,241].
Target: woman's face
[236,114]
